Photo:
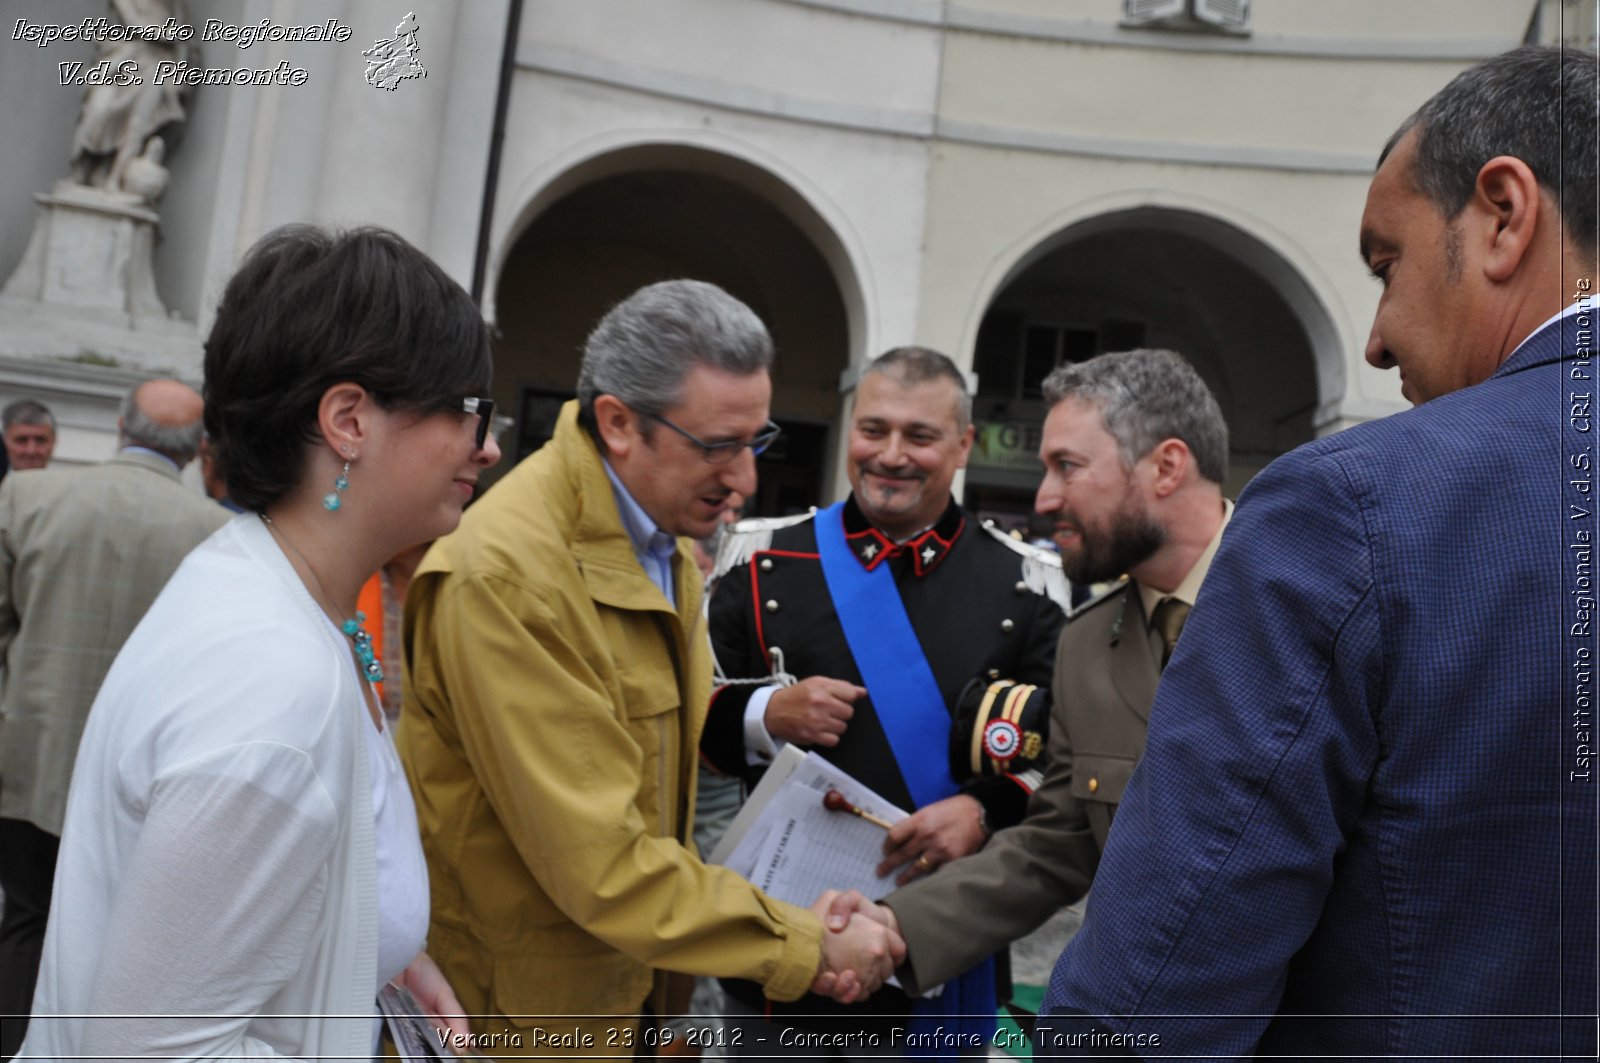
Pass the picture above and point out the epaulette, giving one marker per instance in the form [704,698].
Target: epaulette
[1041,568]
[748,537]
[1108,591]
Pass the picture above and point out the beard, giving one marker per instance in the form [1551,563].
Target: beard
[886,504]
[1105,554]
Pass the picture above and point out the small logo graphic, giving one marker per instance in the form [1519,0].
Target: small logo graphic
[392,61]
[1000,741]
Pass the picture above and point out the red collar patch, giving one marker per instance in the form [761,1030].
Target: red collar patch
[872,548]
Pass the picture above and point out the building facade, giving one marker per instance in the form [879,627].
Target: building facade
[1015,182]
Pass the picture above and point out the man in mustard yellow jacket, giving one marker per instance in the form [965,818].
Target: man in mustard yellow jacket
[557,675]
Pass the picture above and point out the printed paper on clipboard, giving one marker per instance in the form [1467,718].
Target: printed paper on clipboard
[414,1036]
[787,843]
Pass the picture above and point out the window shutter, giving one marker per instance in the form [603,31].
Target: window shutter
[1229,14]
[1151,10]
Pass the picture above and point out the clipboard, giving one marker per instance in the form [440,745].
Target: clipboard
[784,841]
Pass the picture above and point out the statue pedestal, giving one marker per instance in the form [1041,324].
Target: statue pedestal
[85,289]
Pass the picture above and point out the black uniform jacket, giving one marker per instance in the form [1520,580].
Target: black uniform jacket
[968,605]
[970,608]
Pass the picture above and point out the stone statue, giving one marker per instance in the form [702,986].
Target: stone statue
[118,122]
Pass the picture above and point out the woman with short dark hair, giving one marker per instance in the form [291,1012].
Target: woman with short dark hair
[236,800]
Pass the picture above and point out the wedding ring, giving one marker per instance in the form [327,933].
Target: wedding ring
[924,865]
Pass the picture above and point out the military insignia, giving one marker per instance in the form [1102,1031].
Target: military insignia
[870,547]
[1001,739]
[750,537]
[1041,568]
[927,550]
[1000,728]
[1122,584]
[1032,745]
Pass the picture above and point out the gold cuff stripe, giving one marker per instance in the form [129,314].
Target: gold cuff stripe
[982,718]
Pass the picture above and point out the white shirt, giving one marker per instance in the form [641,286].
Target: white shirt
[402,869]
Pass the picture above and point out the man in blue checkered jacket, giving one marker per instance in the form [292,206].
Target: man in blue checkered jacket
[1365,823]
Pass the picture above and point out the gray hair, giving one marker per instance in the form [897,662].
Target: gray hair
[1147,396]
[26,411]
[645,345]
[179,442]
[1535,104]
[920,365]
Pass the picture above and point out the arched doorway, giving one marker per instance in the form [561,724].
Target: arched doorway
[649,214]
[1150,277]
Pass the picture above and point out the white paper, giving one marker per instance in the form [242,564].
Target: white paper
[793,848]
[734,837]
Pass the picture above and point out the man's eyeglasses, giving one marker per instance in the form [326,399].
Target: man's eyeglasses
[484,408]
[725,451]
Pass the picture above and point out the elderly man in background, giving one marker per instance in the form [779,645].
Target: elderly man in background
[557,672]
[83,553]
[29,431]
[1364,824]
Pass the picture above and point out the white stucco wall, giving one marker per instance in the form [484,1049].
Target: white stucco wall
[835,106]
[930,144]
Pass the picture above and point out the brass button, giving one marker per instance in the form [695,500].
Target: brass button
[1007,626]
[1022,588]
[766,564]
[1094,784]
[994,673]
[772,605]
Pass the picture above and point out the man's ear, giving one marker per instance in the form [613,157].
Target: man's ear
[968,434]
[1506,198]
[1172,460]
[617,424]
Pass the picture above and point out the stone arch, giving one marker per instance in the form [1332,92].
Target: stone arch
[641,212]
[1143,272]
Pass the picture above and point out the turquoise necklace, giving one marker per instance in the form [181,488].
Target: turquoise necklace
[354,627]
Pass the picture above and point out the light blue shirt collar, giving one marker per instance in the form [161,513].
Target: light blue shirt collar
[653,547]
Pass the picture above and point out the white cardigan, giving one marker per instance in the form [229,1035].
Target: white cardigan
[216,871]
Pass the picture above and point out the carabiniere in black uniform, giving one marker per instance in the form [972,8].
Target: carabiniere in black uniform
[966,590]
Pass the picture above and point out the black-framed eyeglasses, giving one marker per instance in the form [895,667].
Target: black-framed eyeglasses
[725,451]
[484,408]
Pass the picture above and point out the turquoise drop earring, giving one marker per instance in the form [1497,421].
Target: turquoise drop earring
[330,501]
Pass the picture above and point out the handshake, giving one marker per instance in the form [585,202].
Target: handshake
[861,946]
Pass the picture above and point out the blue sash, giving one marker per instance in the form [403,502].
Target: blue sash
[917,724]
